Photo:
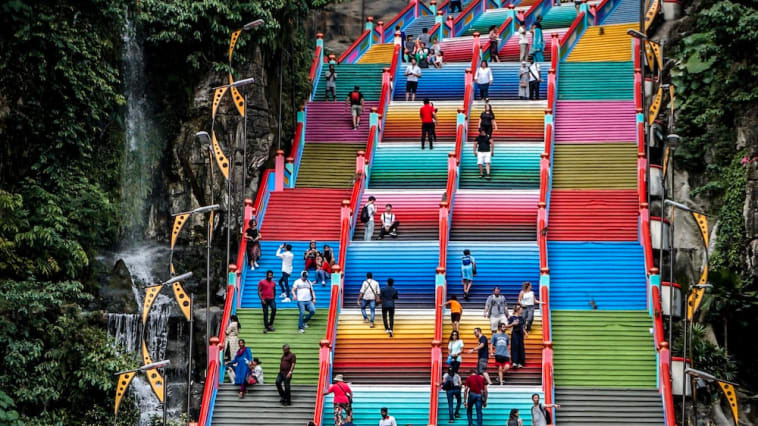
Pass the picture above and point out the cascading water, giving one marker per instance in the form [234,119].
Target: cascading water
[142,148]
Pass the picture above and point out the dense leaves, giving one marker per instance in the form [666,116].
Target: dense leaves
[57,362]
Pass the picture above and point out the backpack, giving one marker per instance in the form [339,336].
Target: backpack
[449,383]
[466,260]
[355,96]
[548,417]
[364,214]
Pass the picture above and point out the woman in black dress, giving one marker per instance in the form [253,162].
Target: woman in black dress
[518,335]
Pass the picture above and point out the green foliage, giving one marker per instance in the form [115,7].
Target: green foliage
[57,361]
[730,244]
[711,358]
[8,414]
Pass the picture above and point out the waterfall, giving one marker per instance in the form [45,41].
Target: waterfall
[145,265]
[142,146]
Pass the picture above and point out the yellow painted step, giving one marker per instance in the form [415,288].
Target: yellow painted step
[378,54]
[606,43]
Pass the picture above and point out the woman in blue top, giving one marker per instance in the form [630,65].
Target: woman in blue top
[240,363]
[468,271]
[538,42]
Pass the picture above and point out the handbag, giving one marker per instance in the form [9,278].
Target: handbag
[449,359]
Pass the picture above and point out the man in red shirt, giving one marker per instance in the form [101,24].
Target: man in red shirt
[428,117]
[343,398]
[266,290]
[475,395]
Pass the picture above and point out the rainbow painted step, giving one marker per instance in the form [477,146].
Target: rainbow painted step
[302,214]
[411,264]
[604,43]
[569,211]
[627,11]
[596,81]
[517,121]
[514,166]
[328,165]
[401,359]
[595,166]
[403,123]
[378,54]
[597,275]
[269,261]
[418,211]
[331,122]
[529,375]
[367,76]
[510,216]
[595,122]
[408,404]
[503,264]
[408,166]
[499,404]
[611,349]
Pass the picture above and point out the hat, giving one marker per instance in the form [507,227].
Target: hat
[338,378]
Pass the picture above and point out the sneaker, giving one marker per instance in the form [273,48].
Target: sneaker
[286,300]
[283,296]
[365,320]
[489,177]
[394,234]
[271,328]
[323,283]
[301,331]
[481,176]
[306,325]
[391,333]
[451,421]
[265,330]
[372,325]
[457,415]
[386,330]
[257,265]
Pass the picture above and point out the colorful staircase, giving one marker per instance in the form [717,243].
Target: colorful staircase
[230,409]
[403,123]
[331,122]
[499,404]
[377,54]
[418,213]
[367,76]
[511,216]
[302,214]
[399,165]
[514,166]
[328,165]
[518,121]
[408,404]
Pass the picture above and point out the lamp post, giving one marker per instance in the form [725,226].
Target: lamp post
[125,378]
[684,354]
[672,141]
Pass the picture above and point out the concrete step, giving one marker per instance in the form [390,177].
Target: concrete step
[261,406]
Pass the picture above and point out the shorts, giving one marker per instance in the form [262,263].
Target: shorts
[483,158]
[411,86]
[495,320]
[356,110]
[502,361]
[481,366]
[455,316]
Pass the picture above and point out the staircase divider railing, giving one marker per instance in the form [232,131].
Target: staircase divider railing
[215,369]
[604,9]
[318,61]
[460,23]
[405,17]
[653,276]
[543,210]
[574,32]
[292,166]
[360,46]
[348,220]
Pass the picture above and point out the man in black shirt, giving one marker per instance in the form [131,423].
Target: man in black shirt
[484,149]
[388,296]
[355,101]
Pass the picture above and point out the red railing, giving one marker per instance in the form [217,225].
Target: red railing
[469,92]
[211,384]
[436,371]
[353,46]
[315,64]
[391,24]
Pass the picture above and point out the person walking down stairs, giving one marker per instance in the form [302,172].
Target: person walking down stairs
[303,294]
[518,335]
[240,364]
[451,384]
[527,300]
[483,78]
[283,379]
[500,342]
[495,309]
[540,415]
[368,296]
[388,296]
[253,237]
[483,354]
[284,281]
[232,338]
[266,291]
[514,419]
[475,396]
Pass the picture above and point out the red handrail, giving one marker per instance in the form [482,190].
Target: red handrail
[668,399]
[262,188]
[353,46]
[436,371]
[211,383]
[393,21]
[315,64]
[296,141]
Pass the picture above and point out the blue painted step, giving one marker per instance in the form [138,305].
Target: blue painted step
[626,12]
[503,264]
[270,261]
[411,264]
[610,274]
[408,404]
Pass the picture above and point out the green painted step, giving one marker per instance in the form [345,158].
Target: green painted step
[408,166]
[485,20]
[610,349]
[328,165]
[596,81]
[514,166]
[367,76]
[595,166]
[268,347]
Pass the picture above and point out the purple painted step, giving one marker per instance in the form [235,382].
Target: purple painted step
[595,122]
[331,122]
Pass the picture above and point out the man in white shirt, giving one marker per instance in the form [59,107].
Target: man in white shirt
[534,79]
[387,420]
[369,291]
[389,224]
[302,292]
[523,42]
[412,73]
[284,281]
[483,78]
[368,232]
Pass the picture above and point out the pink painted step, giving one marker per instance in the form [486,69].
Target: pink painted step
[331,122]
[595,121]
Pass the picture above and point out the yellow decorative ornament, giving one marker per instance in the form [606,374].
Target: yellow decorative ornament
[731,396]
[666,160]
[150,294]
[233,42]
[153,376]
[239,101]
[672,90]
[651,12]
[210,226]
[221,160]
[123,383]
[182,299]
[655,107]
[217,96]
[179,221]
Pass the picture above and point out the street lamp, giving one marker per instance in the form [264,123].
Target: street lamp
[726,386]
[125,378]
[690,292]
[250,25]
